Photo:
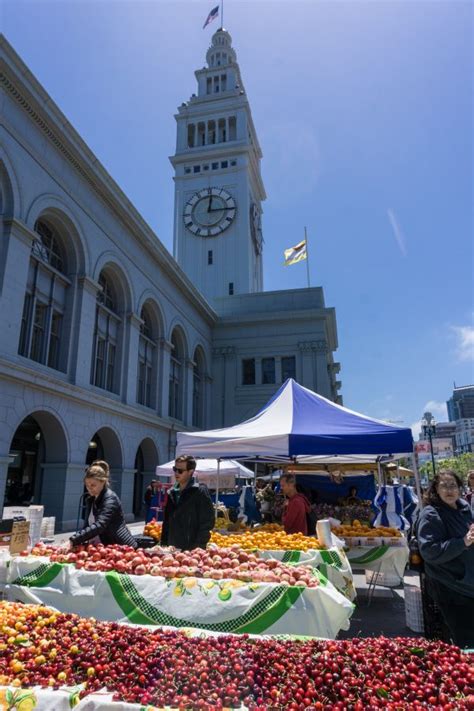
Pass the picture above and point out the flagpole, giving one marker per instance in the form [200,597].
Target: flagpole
[307,255]
[222,14]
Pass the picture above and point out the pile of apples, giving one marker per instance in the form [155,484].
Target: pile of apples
[41,647]
[215,563]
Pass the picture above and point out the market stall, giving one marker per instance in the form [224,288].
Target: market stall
[298,426]
[224,605]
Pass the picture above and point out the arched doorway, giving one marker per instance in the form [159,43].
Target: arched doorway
[105,444]
[37,471]
[26,453]
[146,460]
[95,451]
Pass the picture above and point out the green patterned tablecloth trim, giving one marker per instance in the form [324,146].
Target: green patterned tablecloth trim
[291,557]
[331,558]
[257,619]
[41,576]
[370,556]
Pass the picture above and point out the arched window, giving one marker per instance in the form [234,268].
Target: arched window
[146,361]
[198,389]
[175,403]
[108,324]
[45,304]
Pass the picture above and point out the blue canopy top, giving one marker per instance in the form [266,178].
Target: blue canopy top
[297,422]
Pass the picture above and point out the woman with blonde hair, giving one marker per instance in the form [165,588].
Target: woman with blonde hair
[104,519]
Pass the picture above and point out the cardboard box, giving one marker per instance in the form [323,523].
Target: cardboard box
[14,535]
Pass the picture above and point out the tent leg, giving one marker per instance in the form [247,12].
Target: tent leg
[379,473]
[217,480]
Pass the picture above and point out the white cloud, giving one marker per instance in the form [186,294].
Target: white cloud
[437,409]
[465,342]
[399,236]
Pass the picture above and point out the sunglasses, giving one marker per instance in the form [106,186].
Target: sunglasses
[177,470]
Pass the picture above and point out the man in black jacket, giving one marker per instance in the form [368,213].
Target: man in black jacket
[189,514]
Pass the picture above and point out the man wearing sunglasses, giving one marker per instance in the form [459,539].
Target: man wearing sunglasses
[189,514]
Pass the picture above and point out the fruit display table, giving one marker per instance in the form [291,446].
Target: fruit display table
[382,559]
[332,563]
[219,605]
[74,659]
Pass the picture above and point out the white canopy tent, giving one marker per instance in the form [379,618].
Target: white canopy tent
[216,474]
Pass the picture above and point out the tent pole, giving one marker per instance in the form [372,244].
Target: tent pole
[217,481]
[417,479]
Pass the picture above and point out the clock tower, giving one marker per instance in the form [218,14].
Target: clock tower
[218,186]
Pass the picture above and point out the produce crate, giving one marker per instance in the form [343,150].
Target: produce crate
[414,608]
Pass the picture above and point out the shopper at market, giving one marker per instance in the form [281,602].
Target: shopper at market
[445,532]
[296,506]
[150,498]
[189,514]
[104,515]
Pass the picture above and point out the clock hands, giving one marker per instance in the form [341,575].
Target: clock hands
[210,203]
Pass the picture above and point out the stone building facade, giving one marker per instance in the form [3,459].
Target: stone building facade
[107,348]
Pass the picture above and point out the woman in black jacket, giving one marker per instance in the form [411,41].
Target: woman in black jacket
[445,533]
[105,522]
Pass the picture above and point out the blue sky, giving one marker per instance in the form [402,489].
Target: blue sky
[364,115]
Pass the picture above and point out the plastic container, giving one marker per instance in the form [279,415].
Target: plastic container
[323,532]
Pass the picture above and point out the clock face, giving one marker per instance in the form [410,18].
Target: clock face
[209,212]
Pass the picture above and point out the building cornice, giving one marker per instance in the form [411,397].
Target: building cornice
[34,379]
[25,89]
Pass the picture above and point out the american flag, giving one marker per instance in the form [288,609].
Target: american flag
[212,16]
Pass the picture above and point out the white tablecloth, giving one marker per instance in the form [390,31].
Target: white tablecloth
[216,605]
[39,699]
[390,560]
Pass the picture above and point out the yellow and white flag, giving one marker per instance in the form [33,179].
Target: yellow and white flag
[296,253]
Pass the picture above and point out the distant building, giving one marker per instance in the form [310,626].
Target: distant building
[465,435]
[461,404]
